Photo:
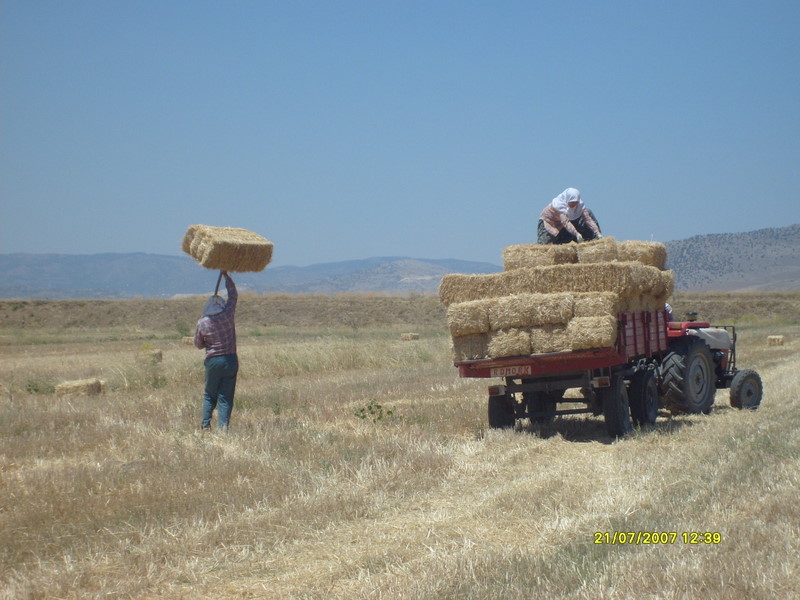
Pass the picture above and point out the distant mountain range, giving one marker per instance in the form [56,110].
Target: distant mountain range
[62,276]
[767,259]
[762,260]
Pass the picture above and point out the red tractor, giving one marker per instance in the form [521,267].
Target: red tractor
[655,363]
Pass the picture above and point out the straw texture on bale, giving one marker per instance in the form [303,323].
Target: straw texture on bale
[80,387]
[522,256]
[596,305]
[471,347]
[549,338]
[409,337]
[187,340]
[510,342]
[592,332]
[227,248]
[465,318]
[653,254]
[598,251]
[526,310]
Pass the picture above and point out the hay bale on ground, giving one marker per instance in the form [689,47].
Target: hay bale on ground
[510,342]
[187,340]
[522,256]
[465,318]
[529,310]
[598,251]
[775,340]
[227,248]
[653,254]
[409,337]
[592,332]
[471,347]
[80,387]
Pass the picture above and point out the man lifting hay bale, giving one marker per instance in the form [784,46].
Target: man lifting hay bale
[226,249]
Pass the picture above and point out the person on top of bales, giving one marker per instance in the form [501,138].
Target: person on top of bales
[566,219]
[216,332]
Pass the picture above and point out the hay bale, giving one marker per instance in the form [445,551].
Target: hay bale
[549,338]
[775,340]
[187,340]
[667,283]
[522,256]
[80,387]
[592,332]
[621,278]
[510,342]
[409,337]
[596,304]
[598,251]
[457,287]
[653,254]
[471,347]
[529,310]
[227,248]
[465,318]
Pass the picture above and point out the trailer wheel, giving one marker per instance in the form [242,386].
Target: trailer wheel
[688,378]
[616,409]
[746,389]
[538,402]
[501,413]
[643,398]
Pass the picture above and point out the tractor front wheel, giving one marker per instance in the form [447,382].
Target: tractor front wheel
[746,389]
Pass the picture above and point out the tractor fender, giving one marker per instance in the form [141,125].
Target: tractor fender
[715,338]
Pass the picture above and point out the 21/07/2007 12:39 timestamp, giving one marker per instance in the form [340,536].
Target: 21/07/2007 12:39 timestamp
[656,537]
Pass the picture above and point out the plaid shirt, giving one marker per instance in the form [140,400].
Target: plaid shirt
[217,333]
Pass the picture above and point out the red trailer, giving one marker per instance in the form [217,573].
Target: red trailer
[654,363]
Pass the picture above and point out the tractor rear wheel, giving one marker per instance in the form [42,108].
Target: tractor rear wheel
[643,398]
[688,378]
[746,389]
[616,410]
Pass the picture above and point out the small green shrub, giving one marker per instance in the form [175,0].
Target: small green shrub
[373,411]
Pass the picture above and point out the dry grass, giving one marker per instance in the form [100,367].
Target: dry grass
[359,466]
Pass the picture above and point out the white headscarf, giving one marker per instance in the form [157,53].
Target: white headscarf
[560,203]
[214,306]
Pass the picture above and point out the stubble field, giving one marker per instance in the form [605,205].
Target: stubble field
[359,465]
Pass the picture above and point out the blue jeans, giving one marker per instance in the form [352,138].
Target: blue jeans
[220,386]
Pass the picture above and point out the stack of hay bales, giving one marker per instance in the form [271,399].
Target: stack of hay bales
[227,248]
[554,298]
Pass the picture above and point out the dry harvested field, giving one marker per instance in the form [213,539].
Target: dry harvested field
[359,465]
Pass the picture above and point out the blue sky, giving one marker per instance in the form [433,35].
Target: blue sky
[344,130]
